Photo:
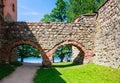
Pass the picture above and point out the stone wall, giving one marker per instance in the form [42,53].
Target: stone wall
[77,56]
[13,56]
[86,19]
[47,35]
[1,11]
[0,8]
[107,41]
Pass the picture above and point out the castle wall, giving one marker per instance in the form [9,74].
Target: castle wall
[107,40]
[49,34]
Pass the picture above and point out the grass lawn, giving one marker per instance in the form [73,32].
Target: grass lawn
[71,73]
[6,69]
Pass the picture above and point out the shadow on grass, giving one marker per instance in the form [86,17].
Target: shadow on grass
[48,75]
[52,74]
[5,70]
[62,65]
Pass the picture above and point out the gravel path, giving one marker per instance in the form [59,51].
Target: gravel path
[23,74]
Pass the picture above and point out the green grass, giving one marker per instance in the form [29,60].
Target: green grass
[71,73]
[6,69]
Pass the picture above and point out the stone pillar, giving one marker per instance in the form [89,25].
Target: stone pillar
[46,59]
[46,63]
[13,56]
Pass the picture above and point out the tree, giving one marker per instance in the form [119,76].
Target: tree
[27,51]
[79,7]
[58,13]
[68,10]
[48,18]
[63,52]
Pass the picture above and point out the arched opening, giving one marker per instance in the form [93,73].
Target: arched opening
[25,53]
[45,60]
[68,53]
[78,57]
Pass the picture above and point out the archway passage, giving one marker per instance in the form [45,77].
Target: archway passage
[47,54]
[25,53]
[62,54]
[85,55]
[45,59]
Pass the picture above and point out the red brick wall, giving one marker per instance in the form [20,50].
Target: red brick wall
[10,10]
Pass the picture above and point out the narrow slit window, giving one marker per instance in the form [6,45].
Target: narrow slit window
[13,8]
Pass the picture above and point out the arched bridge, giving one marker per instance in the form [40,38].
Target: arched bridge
[47,37]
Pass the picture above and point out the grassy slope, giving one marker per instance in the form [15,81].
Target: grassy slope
[69,73]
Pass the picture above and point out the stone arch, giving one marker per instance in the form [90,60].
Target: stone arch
[12,45]
[87,53]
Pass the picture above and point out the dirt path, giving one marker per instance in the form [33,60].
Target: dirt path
[23,74]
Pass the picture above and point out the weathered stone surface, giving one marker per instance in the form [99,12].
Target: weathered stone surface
[77,56]
[48,37]
[107,40]
[14,56]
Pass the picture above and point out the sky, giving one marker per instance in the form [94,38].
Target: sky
[34,10]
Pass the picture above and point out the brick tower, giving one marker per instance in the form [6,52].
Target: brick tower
[8,10]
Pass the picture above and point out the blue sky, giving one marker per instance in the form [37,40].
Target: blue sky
[34,10]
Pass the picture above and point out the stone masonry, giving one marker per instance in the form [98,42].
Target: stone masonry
[99,32]
[48,36]
[107,40]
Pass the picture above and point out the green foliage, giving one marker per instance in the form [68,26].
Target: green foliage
[63,51]
[68,73]
[79,7]
[27,51]
[58,13]
[68,10]
[48,18]
[5,69]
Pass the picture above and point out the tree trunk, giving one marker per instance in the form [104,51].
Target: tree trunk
[22,58]
[61,60]
[53,59]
